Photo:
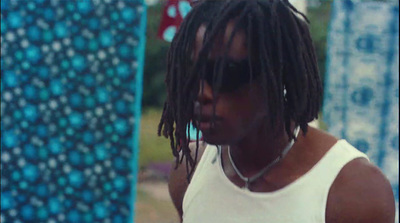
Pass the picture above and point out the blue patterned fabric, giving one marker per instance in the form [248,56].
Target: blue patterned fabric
[361,102]
[71,87]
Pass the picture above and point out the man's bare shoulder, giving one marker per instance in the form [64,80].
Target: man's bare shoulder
[360,193]
[178,183]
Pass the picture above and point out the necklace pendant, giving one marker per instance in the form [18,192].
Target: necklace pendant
[246,186]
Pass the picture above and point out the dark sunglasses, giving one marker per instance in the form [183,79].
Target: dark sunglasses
[235,74]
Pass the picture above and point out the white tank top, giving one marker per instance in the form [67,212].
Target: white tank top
[212,198]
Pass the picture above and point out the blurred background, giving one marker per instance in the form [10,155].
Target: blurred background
[79,119]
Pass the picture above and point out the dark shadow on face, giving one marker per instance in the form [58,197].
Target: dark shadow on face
[240,111]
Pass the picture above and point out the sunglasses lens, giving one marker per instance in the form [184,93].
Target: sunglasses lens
[234,75]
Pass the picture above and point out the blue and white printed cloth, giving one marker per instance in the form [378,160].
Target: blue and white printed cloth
[71,86]
[361,101]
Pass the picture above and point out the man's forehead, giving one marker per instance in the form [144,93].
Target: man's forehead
[237,51]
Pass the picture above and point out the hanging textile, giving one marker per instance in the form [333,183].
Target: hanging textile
[174,12]
[361,101]
[71,86]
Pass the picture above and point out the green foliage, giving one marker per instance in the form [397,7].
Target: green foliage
[152,147]
[154,91]
[319,21]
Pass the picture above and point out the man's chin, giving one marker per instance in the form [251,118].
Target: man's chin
[213,139]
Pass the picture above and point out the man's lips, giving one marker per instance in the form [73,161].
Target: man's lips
[206,118]
[205,122]
[204,126]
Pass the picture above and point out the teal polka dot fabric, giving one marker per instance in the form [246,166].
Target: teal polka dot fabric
[71,86]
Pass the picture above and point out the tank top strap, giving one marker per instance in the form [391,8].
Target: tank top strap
[334,160]
[327,170]
[209,156]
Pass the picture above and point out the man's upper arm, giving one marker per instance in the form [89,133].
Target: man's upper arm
[178,183]
[360,194]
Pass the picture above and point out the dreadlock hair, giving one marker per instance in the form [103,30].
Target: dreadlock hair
[281,57]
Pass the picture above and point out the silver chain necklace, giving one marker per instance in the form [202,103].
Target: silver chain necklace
[249,180]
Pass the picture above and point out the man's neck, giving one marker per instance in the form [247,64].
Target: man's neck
[258,149]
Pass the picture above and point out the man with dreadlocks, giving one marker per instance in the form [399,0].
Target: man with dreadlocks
[245,73]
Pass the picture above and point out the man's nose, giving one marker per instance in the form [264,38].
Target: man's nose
[205,94]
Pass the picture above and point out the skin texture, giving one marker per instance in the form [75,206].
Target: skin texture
[360,193]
